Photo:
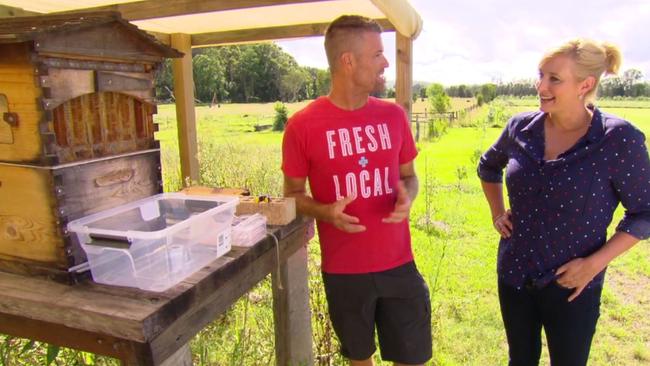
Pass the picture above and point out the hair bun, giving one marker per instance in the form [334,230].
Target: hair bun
[612,58]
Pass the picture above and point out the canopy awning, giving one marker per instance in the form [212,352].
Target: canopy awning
[225,21]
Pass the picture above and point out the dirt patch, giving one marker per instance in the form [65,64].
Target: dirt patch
[630,289]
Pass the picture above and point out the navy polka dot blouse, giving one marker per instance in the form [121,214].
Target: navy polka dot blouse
[561,208]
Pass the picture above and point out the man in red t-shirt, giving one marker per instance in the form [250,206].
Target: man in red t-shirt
[357,153]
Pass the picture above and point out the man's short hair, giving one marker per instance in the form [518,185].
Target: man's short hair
[339,35]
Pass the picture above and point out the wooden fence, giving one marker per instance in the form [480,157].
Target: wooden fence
[424,118]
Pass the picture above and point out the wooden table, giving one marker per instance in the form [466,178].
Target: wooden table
[149,328]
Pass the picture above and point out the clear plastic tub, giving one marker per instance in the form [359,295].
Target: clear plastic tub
[154,243]
[248,229]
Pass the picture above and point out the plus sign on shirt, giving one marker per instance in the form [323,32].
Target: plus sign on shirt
[561,208]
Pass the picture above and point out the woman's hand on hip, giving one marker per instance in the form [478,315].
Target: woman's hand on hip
[576,274]
[503,224]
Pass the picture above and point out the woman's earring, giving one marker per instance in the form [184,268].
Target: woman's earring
[581,97]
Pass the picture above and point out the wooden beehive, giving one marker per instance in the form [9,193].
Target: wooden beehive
[76,87]
[76,130]
[38,202]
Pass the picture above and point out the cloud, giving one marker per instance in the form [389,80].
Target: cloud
[505,38]
[472,42]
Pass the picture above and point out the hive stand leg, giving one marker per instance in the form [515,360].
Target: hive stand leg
[140,355]
[182,357]
[293,339]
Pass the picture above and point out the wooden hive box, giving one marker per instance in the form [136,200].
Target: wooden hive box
[76,87]
[38,203]
[76,130]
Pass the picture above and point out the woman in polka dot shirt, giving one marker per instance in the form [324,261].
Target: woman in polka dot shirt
[568,166]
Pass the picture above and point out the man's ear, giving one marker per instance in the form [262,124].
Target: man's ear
[346,59]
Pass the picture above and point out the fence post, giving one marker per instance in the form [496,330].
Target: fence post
[417,127]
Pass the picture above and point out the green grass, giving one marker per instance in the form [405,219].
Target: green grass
[643,103]
[453,241]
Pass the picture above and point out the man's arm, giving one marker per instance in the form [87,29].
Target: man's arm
[407,190]
[332,213]
[407,175]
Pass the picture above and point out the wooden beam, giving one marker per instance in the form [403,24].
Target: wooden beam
[150,9]
[182,357]
[291,314]
[233,285]
[268,34]
[7,11]
[186,119]
[130,352]
[404,61]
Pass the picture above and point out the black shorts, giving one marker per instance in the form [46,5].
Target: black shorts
[395,301]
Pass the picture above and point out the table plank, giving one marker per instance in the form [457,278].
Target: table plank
[73,306]
[139,327]
[248,270]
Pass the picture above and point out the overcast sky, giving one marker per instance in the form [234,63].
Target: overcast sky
[479,41]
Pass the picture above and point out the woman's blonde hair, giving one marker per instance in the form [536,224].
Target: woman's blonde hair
[591,58]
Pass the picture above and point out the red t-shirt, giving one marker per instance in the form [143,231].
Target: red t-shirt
[353,153]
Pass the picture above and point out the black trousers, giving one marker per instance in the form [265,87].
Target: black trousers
[569,326]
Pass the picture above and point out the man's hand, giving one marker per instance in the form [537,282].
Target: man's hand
[341,220]
[402,206]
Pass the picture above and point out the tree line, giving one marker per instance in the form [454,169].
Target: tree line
[264,72]
[629,84]
[248,73]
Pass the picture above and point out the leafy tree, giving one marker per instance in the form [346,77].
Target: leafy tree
[164,81]
[209,76]
[517,88]
[438,99]
[418,90]
[639,90]
[489,92]
[281,116]
[479,99]
[612,86]
[247,73]
[632,76]
[632,83]
[463,92]
[322,83]
[292,83]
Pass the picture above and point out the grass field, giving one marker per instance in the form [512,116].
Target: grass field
[454,244]
[643,103]
[455,249]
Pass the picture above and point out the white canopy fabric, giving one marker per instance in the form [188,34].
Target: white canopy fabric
[198,16]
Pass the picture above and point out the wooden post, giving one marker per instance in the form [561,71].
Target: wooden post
[404,83]
[10,11]
[292,318]
[182,357]
[417,127]
[184,93]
